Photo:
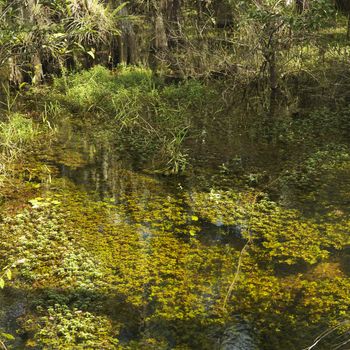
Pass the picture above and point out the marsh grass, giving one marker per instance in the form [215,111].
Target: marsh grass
[19,134]
[145,117]
[15,133]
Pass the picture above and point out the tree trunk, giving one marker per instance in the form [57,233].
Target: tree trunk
[160,42]
[16,75]
[160,39]
[38,74]
[127,53]
[270,50]
[37,67]
[273,77]
[174,30]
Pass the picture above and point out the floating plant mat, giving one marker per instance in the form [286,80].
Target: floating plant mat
[134,269]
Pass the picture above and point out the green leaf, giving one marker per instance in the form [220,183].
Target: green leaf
[58,35]
[7,336]
[22,85]
[35,203]
[2,283]
[91,53]
[9,274]
[119,8]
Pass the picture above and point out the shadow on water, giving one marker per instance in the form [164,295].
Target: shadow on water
[134,327]
[218,233]
[18,306]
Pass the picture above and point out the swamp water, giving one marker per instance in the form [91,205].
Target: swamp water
[113,258]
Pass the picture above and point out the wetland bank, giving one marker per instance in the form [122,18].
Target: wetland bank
[144,206]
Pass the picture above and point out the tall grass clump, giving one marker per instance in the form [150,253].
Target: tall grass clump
[148,119]
[17,133]
[92,90]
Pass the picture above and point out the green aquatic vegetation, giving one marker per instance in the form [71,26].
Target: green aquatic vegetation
[41,239]
[165,214]
[319,183]
[94,270]
[69,244]
[223,207]
[146,253]
[323,162]
[320,125]
[320,299]
[282,235]
[64,328]
[53,260]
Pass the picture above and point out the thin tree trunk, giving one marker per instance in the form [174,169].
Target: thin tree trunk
[37,67]
[16,75]
[38,73]
[127,41]
[160,42]
[174,23]
[273,76]
[122,54]
[199,12]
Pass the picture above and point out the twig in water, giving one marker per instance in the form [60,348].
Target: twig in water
[325,334]
[240,259]
[3,345]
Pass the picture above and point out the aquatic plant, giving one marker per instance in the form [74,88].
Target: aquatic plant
[64,328]
[95,270]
